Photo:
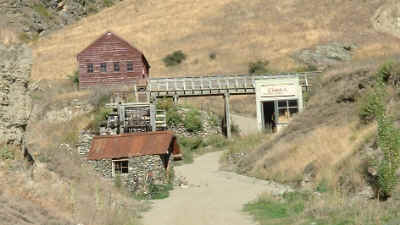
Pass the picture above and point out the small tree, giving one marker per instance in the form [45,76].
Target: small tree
[74,78]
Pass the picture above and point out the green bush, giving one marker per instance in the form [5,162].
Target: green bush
[74,78]
[173,117]
[368,106]
[160,191]
[388,140]
[174,59]
[258,67]
[6,153]
[390,73]
[192,121]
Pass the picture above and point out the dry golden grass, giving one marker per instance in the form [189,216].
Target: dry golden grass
[238,32]
[325,147]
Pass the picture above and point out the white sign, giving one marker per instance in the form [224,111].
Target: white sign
[268,90]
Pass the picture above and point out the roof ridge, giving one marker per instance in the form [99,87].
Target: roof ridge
[136,134]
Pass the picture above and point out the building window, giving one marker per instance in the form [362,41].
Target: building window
[116,66]
[286,110]
[90,68]
[129,66]
[120,167]
[103,67]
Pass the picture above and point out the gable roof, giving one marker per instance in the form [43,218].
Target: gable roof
[131,145]
[110,34]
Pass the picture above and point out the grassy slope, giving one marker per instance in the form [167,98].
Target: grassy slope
[238,32]
[326,134]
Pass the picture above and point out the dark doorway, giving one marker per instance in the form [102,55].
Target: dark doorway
[269,116]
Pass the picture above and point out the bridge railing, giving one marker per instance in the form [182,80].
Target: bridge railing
[222,82]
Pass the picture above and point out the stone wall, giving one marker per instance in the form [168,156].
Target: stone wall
[137,178]
[15,102]
[85,141]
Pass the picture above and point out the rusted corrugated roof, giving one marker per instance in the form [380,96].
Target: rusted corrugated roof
[130,145]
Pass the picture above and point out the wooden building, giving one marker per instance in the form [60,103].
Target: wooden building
[111,61]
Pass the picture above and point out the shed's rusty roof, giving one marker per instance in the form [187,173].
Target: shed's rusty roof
[131,145]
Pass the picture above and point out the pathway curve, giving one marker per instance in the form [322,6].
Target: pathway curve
[213,197]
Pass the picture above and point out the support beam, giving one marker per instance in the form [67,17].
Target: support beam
[227,116]
[176,99]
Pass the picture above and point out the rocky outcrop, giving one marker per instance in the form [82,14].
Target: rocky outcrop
[322,56]
[387,18]
[33,18]
[15,102]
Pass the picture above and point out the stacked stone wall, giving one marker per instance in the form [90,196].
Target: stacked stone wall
[142,171]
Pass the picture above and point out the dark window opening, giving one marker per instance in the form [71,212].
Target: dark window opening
[269,116]
[129,66]
[103,67]
[116,66]
[90,68]
[121,167]
[286,110]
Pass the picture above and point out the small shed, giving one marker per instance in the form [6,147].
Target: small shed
[111,61]
[137,158]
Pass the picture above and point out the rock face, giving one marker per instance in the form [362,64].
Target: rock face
[387,18]
[33,18]
[15,102]
[322,56]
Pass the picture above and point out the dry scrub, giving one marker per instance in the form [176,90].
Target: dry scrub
[324,137]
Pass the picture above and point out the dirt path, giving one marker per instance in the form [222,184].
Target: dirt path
[212,197]
[247,125]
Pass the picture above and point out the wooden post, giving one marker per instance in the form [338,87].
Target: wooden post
[176,99]
[153,116]
[136,93]
[227,115]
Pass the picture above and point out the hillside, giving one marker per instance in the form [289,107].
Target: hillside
[237,32]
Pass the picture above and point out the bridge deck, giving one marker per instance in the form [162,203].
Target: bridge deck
[216,85]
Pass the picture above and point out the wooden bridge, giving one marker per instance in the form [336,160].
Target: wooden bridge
[221,85]
[216,85]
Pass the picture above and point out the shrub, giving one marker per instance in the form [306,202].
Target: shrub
[388,140]
[368,106]
[117,181]
[174,59]
[74,78]
[173,117]
[107,3]
[390,72]
[6,153]
[258,67]
[212,55]
[192,121]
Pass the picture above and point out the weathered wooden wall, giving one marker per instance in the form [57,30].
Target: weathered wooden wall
[108,49]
